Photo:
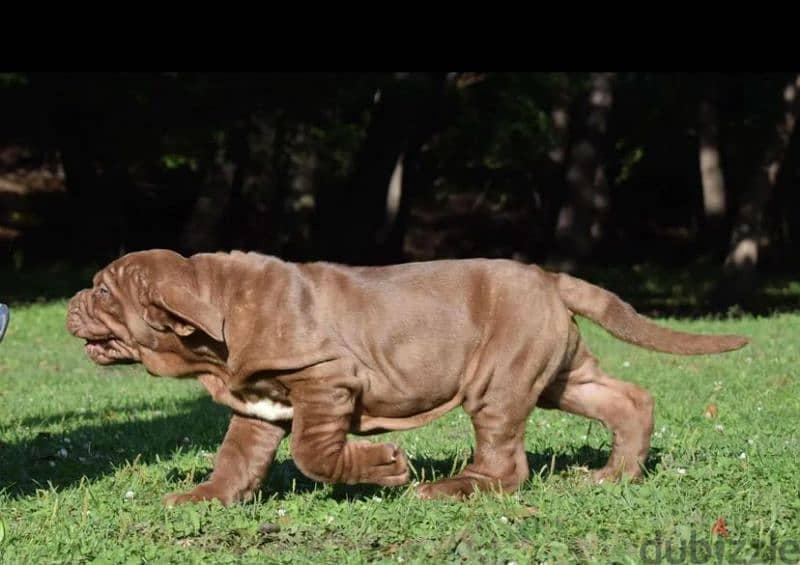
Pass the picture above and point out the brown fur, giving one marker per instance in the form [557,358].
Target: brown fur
[362,350]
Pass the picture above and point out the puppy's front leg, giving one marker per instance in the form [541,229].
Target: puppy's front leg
[242,462]
[322,418]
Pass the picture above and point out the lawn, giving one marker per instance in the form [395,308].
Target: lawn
[86,453]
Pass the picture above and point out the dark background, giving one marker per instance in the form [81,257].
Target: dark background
[680,191]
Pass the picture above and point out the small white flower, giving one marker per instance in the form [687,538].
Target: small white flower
[658,435]
[129,494]
[663,429]
[52,463]
[62,453]
[185,439]
[329,519]
[511,563]
[719,428]
[751,442]
[504,520]
[626,364]
[281,512]
[681,471]
[377,499]
[584,437]
[400,559]
[743,455]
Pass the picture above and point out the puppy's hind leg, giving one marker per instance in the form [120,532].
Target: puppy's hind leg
[499,402]
[499,462]
[625,408]
[499,411]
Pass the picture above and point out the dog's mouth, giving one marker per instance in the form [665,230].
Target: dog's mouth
[108,351]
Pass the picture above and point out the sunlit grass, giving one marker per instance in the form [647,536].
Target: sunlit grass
[86,454]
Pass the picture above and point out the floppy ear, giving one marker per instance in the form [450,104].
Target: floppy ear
[183,312]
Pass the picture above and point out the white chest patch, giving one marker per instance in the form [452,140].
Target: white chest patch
[269,410]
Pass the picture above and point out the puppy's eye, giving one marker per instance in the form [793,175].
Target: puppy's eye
[103,291]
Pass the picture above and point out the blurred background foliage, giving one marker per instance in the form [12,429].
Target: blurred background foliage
[693,173]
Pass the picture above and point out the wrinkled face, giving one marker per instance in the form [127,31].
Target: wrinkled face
[98,315]
[143,308]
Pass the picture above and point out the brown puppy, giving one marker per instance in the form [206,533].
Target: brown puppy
[322,350]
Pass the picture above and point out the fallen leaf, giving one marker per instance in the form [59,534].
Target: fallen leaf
[719,528]
[711,411]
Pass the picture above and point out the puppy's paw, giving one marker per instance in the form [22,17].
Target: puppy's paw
[604,475]
[205,491]
[615,474]
[454,488]
[384,464]
[396,467]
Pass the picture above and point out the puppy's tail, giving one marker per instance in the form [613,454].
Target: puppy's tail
[622,321]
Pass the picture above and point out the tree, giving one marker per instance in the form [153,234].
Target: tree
[743,256]
[364,221]
[94,140]
[711,172]
[581,220]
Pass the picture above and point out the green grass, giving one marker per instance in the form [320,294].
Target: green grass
[86,454]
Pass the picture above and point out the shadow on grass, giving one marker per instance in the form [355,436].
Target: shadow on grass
[285,479]
[692,291]
[62,460]
[95,450]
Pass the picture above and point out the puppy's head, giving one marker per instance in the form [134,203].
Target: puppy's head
[146,307]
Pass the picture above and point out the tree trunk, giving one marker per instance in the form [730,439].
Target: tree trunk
[742,259]
[788,205]
[294,169]
[552,185]
[582,218]
[366,222]
[222,187]
[711,175]
[299,206]
[559,117]
[98,187]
